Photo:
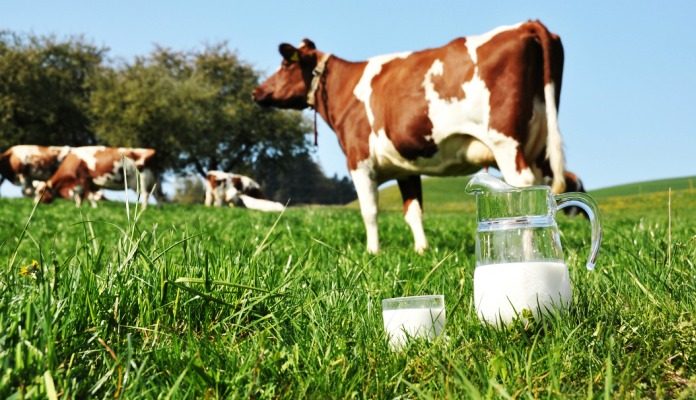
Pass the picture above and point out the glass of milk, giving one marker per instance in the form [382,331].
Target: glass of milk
[413,317]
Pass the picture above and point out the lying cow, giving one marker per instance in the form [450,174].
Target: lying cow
[87,170]
[488,100]
[24,164]
[239,190]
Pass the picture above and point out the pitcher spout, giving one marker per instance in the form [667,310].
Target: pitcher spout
[484,182]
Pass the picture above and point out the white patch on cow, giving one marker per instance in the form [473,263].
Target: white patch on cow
[366,187]
[386,157]
[363,90]
[438,68]
[474,42]
[219,174]
[457,155]
[505,151]
[260,204]
[63,152]
[467,116]
[26,151]
[414,219]
[88,155]
[141,155]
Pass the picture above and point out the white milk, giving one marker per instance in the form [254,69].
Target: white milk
[501,290]
[400,324]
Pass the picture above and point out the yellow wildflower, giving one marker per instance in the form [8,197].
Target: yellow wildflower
[30,269]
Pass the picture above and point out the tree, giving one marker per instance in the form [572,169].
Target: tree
[302,182]
[189,189]
[44,90]
[144,105]
[196,109]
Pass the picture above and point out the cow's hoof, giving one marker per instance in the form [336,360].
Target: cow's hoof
[372,249]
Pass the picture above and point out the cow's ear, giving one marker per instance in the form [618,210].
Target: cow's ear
[289,53]
[308,44]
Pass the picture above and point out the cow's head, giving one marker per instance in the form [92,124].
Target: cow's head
[46,192]
[233,190]
[291,84]
[43,192]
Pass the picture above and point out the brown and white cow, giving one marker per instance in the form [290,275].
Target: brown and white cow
[487,100]
[238,190]
[87,170]
[23,164]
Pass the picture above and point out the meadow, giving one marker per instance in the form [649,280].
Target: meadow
[195,302]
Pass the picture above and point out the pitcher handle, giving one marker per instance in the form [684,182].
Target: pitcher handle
[587,203]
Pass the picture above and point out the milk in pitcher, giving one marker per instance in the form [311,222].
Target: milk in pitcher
[503,291]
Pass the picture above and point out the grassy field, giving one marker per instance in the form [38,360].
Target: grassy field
[194,302]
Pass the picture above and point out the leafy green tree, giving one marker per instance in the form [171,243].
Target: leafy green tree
[145,105]
[196,109]
[44,89]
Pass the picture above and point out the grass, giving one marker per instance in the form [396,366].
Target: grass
[194,302]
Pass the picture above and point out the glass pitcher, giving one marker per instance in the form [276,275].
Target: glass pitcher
[519,258]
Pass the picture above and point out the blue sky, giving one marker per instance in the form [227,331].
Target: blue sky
[628,103]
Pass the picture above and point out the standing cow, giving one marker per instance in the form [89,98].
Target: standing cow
[239,190]
[488,100]
[24,164]
[87,170]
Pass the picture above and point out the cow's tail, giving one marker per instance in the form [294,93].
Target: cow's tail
[4,160]
[553,72]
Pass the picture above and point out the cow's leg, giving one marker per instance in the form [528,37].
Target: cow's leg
[156,191]
[95,196]
[510,160]
[149,185]
[208,195]
[220,196]
[85,192]
[146,199]
[27,188]
[366,187]
[78,198]
[412,197]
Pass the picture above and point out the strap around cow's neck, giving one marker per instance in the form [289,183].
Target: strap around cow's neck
[318,73]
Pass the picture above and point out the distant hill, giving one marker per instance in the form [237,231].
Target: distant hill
[661,185]
[447,194]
